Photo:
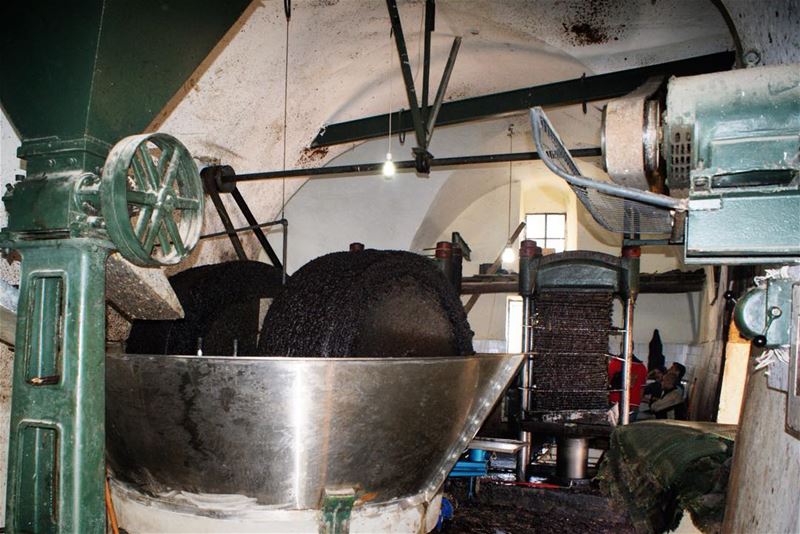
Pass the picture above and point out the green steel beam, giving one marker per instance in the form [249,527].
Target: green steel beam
[575,91]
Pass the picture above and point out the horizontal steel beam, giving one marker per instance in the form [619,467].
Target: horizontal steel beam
[375,168]
[575,91]
[660,283]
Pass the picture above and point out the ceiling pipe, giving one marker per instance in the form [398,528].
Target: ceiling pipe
[375,168]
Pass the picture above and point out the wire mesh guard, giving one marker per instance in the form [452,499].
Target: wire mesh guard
[615,213]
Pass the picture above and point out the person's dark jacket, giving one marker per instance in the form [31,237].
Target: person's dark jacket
[670,405]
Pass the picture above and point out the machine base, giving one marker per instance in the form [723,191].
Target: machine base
[181,512]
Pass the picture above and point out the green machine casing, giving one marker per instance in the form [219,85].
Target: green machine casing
[77,78]
[731,141]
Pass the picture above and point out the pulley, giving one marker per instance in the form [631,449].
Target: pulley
[152,199]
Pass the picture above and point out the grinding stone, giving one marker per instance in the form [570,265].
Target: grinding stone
[371,303]
[221,303]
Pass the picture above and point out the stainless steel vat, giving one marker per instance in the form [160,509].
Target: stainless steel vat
[282,430]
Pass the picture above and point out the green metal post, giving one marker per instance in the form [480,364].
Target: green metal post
[55,483]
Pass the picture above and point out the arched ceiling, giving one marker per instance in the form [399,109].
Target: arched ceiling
[339,53]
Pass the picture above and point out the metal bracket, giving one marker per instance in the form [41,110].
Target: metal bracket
[793,394]
[459,242]
[214,184]
[422,160]
[423,118]
[337,506]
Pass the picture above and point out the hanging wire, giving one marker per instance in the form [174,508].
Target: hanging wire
[391,92]
[510,163]
[420,40]
[287,9]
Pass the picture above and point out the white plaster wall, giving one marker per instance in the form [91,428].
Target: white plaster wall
[340,69]
[483,226]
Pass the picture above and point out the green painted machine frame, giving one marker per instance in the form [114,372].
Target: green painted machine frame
[732,140]
[77,78]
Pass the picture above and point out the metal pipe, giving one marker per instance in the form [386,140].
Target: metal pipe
[524,455]
[458,267]
[571,458]
[437,103]
[430,25]
[625,408]
[243,228]
[251,220]
[653,199]
[375,168]
[285,225]
[405,68]
[444,259]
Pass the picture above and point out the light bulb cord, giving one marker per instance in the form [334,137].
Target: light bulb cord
[287,6]
[510,163]
[391,94]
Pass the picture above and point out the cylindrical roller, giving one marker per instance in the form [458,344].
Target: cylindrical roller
[571,458]
[630,141]
[371,304]
[629,137]
[221,305]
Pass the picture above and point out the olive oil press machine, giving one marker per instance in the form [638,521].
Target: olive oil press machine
[80,82]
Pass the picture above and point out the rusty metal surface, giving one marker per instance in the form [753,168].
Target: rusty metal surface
[629,137]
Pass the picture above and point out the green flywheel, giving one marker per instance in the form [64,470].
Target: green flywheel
[152,199]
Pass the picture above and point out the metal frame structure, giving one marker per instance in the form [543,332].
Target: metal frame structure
[582,270]
[213,185]
[576,91]
[423,117]
[375,168]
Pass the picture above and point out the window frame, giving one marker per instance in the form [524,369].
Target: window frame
[543,240]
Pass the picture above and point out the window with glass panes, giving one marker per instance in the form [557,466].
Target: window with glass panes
[549,230]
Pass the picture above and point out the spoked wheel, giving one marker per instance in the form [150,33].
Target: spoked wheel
[152,199]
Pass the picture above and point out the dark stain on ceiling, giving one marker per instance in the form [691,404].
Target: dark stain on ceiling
[595,22]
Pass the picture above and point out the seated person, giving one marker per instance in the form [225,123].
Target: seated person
[679,371]
[670,404]
[653,389]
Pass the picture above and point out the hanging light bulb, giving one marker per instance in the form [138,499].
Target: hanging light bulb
[388,166]
[509,255]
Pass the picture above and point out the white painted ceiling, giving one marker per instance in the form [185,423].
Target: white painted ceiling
[340,69]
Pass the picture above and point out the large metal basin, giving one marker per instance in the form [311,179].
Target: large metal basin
[282,430]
